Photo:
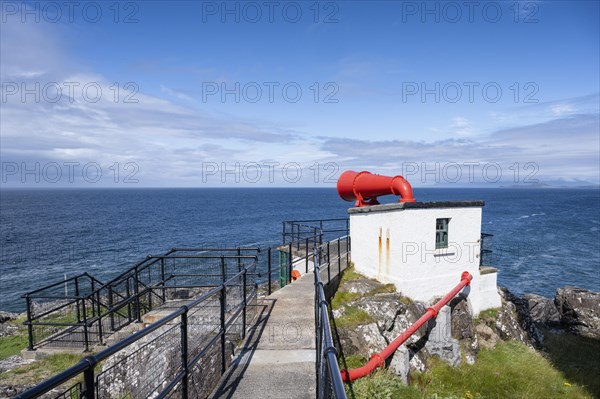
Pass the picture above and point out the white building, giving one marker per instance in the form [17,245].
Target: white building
[423,248]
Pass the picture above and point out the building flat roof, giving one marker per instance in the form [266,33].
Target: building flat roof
[416,205]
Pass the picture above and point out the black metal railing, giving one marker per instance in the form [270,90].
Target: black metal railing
[329,379]
[183,354]
[297,231]
[89,312]
[485,252]
[81,311]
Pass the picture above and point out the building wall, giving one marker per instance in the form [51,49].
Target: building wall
[396,244]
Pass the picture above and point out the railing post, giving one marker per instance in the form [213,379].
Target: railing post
[85,327]
[88,383]
[269,269]
[162,278]
[347,227]
[328,256]
[184,354]
[136,291]
[283,232]
[290,266]
[239,261]
[328,268]
[111,314]
[223,270]
[298,239]
[306,260]
[223,299]
[128,295]
[100,337]
[77,301]
[339,259]
[29,325]
[245,304]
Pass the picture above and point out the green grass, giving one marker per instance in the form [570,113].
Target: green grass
[486,315]
[578,358]
[511,370]
[40,370]
[352,361]
[353,317]
[342,297]
[12,345]
[384,289]
[350,274]
[381,385]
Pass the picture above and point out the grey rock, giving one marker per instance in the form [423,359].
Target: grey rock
[360,286]
[7,325]
[542,310]
[579,310]
[440,342]
[515,322]
[12,362]
[7,316]
[400,363]
[463,329]
[487,337]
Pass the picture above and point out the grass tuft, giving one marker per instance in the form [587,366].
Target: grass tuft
[342,297]
[353,317]
[40,370]
[12,345]
[511,370]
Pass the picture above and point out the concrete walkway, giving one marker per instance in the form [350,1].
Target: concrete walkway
[278,358]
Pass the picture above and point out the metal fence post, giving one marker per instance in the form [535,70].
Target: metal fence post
[111,316]
[162,278]
[306,261]
[85,327]
[100,338]
[29,325]
[184,354]
[283,232]
[77,302]
[269,269]
[88,383]
[223,304]
[339,259]
[244,311]
[136,291]
[290,266]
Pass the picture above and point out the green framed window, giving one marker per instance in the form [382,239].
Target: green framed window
[441,233]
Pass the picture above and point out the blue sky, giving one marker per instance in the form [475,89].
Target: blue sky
[463,90]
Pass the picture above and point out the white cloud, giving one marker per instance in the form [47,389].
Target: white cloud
[562,109]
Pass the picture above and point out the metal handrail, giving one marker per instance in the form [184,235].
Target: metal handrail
[87,365]
[327,361]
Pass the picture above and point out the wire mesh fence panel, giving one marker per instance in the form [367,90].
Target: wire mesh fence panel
[144,368]
[206,372]
[74,390]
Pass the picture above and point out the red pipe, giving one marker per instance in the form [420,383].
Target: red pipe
[378,359]
[365,187]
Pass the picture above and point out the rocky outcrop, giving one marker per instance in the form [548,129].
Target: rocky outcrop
[455,336]
[390,314]
[463,328]
[7,325]
[542,310]
[579,310]
[515,322]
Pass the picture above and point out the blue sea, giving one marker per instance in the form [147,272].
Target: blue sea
[543,238]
